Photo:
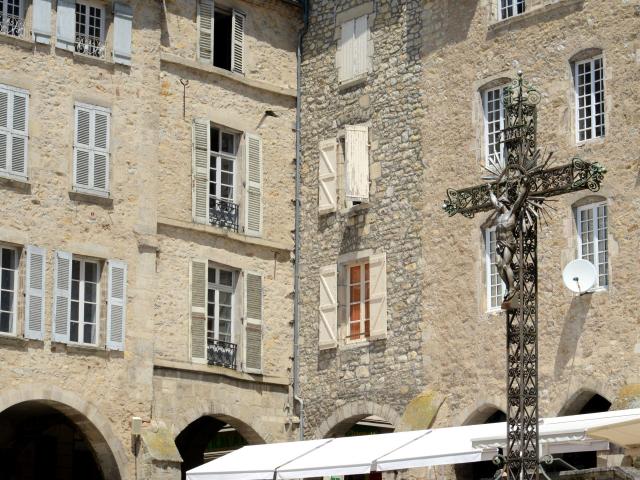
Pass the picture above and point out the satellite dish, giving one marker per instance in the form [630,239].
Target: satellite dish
[579,276]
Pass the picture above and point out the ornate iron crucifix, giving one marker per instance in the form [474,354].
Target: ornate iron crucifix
[517,188]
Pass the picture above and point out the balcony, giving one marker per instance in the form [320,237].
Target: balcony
[12,25]
[223,213]
[221,353]
[90,46]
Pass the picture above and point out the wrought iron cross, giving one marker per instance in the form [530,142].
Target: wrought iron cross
[517,189]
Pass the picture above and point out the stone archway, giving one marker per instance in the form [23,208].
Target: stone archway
[342,419]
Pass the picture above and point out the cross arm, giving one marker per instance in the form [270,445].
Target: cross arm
[574,176]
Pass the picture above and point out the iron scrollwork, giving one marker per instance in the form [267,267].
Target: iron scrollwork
[221,353]
[12,25]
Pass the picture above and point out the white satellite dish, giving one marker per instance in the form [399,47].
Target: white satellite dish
[580,276]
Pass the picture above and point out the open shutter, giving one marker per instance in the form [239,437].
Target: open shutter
[357,163]
[345,51]
[100,154]
[328,308]
[82,148]
[4,129]
[200,170]
[117,304]
[34,293]
[237,42]
[253,323]
[66,25]
[122,20]
[360,41]
[327,198]
[198,293]
[205,31]
[378,296]
[61,297]
[42,21]
[19,123]
[253,160]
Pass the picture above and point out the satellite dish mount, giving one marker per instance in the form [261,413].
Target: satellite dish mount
[580,276]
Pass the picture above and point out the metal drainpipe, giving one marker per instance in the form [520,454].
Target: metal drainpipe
[296,268]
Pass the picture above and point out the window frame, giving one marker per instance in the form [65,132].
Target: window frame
[365,300]
[505,5]
[16,286]
[218,287]
[350,76]
[219,156]
[485,115]
[99,51]
[594,207]
[81,301]
[490,264]
[20,27]
[592,98]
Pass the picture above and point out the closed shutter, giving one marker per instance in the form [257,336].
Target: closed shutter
[328,308]
[198,293]
[200,171]
[34,293]
[205,31]
[42,21]
[378,296]
[345,51]
[61,297]
[66,25]
[327,198]
[14,107]
[117,304]
[237,39]
[360,41]
[122,22]
[253,160]
[357,163]
[253,323]
[82,150]
[91,149]
[101,150]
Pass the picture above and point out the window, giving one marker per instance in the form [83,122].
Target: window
[91,149]
[223,210]
[12,18]
[359,307]
[589,86]
[353,54]
[493,106]
[222,46]
[510,8]
[495,285]
[90,30]
[13,131]
[592,239]
[219,306]
[85,282]
[356,160]
[8,289]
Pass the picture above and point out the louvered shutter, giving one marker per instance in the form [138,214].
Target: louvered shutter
[18,142]
[205,31]
[237,42]
[116,304]
[253,322]
[66,25]
[100,163]
[200,171]
[328,308]
[42,21]
[61,297]
[91,149]
[345,51]
[5,133]
[327,167]
[34,293]
[253,160]
[82,148]
[198,293]
[378,296]
[360,41]
[122,22]
[357,163]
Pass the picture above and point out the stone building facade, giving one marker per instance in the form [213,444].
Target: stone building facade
[146,168]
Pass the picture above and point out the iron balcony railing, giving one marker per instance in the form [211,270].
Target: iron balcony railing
[91,46]
[12,25]
[223,213]
[221,353]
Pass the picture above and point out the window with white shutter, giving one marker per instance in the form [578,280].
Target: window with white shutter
[327,183]
[198,296]
[253,171]
[116,304]
[34,293]
[593,242]
[14,122]
[12,17]
[91,149]
[353,49]
[221,36]
[84,314]
[357,163]
[328,308]
[253,322]
[8,289]
[237,41]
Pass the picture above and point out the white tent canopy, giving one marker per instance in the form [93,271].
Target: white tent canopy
[395,451]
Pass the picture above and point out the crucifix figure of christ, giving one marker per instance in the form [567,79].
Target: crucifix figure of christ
[517,189]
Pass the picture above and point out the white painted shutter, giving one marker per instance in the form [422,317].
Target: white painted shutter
[117,304]
[42,21]
[198,293]
[237,42]
[200,171]
[91,149]
[19,125]
[378,296]
[253,322]
[66,25]
[328,308]
[360,42]
[357,163]
[205,31]
[61,297]
[122,21]
[34,293]
[327,198]
[82,148]
[100,162]
[253,159]
[345,51]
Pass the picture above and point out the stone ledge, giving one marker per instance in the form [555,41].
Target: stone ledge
[220,72]
[19,184]
[499,26]
[95,198]
[172,222]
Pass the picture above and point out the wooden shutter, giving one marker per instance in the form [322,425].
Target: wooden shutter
[328,308]
[61,297]
[34,293]
[100,160]
[360,43]
[5,133]
[198,294]
[237,42]
[82,150]
[378,296]
[205,31]
[200,171]
[357,163]
[327,198]
[91,149]
[66,25]
[253,323]
[253,160]
[42,21]
[122,21]
[116,304]
[345,51]
[19,124]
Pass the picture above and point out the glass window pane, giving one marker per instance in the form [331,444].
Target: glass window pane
[89,313]
[90,292]
[89,330]
[6,301]
[73,332]
[354,293]
[75,290]
[75,270]
[355,274]
[8,278]
[227,142]
[91,272]
[215,140]
[5,322]
[75,311]
[226,277]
